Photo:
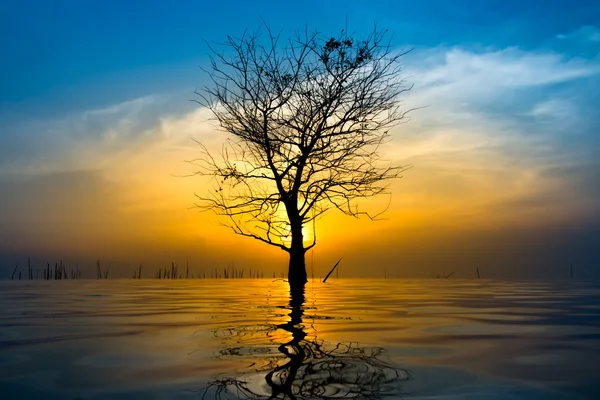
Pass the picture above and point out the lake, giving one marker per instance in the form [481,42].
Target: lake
[347,338]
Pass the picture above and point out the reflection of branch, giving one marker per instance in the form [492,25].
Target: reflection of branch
[344,371]
[316,370]
[222,385]
[309,368]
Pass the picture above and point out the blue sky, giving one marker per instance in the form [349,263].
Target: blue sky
[57,49]
[512,90]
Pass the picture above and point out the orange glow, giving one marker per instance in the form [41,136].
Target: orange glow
[139,209]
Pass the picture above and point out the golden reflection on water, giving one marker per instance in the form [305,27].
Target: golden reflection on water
[294,363]
[346,338]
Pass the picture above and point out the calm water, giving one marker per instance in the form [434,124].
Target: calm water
[429,339]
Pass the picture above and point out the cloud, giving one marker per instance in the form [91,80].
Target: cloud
[90,139]
[554,108]
[582,42]
[496,121]
[586,33]
[463,80]
[496,99]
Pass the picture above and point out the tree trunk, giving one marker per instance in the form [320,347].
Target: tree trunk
[297,267]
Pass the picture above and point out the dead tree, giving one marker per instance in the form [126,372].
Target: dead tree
[306,121]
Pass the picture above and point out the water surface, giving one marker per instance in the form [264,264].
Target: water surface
[348,338]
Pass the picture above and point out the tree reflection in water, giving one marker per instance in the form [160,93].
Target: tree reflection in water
[309,368]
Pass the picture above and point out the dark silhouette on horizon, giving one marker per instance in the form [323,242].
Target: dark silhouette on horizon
[313,369]
[306,121]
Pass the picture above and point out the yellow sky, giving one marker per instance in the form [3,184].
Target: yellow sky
[137,207]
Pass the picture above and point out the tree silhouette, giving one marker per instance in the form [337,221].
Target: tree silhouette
[307,120]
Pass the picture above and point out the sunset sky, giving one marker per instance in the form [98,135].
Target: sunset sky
[96,124]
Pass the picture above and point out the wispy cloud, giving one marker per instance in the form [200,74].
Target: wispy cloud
[88,140]
[585,33]
[512,67]
[496,121]
[495,97]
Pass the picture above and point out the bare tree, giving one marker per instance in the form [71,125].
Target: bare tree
[307,120]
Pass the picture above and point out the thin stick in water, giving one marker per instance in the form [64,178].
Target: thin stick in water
[336,264]
[571,270]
